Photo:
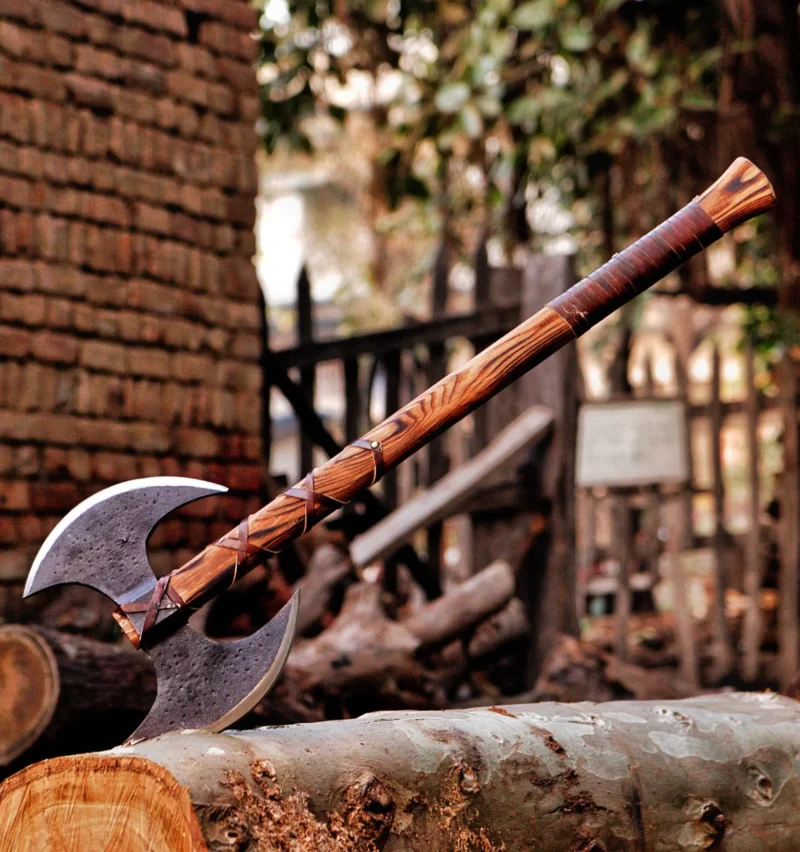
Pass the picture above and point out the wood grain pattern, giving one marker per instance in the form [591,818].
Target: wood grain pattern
[742,192]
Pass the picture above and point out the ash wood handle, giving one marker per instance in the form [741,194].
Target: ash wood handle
[741,193]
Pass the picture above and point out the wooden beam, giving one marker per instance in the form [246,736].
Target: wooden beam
[490,321]
[449,493]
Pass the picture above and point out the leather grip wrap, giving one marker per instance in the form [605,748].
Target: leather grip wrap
[638,267]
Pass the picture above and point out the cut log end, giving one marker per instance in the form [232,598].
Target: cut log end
[97,802]
[30,686]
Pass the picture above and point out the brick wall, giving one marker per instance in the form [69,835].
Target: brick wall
[129,319]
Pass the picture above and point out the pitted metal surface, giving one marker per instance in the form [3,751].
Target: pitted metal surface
[102,542]
[208,685]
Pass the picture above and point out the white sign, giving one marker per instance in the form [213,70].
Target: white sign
[632,443]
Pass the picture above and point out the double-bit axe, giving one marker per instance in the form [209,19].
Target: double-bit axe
[208,684]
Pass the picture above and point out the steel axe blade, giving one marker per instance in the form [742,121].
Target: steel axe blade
[102,544]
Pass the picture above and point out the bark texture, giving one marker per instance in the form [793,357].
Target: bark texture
[716,772]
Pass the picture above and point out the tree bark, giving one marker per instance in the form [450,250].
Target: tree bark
[716,772]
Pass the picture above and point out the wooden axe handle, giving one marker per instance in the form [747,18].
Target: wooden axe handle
[742,192]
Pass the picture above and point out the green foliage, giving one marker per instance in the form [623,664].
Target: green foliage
[492,82]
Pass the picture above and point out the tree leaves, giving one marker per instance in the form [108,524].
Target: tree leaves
[452,97]
[533,14]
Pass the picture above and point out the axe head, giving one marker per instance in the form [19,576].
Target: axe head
[102,543]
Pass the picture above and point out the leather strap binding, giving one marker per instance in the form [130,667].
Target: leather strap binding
[379,466]
[243,546]
[313,499]
[156,603]
[636,268]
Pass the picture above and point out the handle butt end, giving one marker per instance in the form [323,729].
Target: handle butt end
[742,192]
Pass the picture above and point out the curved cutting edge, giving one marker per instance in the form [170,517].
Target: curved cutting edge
[102,542]
[208,685]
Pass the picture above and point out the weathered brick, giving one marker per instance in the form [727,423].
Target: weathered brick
[155,16]
[15,342]
[24,309]
[17,275]
[147,361]
[196,442]
[136,106]
[99,29]
[222,100]
[30,529]
[245,477]
[55,348]
[195,59]
[59,17]
[240,75]
[60,313]
[91,92]
[100,355]
[155,220]
[36,81]
[186,87]
[113,467]
[15,496]
[54,496]
[22,10]
[228,41]
[145,76]
[97,62]
[248,107]
[79,464]
[155,47]
[103,208]
[187,367]
[241,15]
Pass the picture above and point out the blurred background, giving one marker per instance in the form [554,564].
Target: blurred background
[234,237]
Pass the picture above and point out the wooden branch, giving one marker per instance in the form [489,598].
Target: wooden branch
[715,772]
[328,567]
[62,692]
[363,647]
[463,606]
[447,495]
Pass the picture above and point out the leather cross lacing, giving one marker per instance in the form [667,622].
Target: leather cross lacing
[243,546]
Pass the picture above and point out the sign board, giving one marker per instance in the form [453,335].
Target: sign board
[627,444]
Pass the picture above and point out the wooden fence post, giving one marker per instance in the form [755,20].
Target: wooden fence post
[752,626]
[789,576]
[305,334]
[438,462]
[684,625]
[554,385]
[723,656]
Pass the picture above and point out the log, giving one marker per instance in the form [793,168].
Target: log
[464,605]
[62,693]
[714,772]
[328,567]
[446,496]
[363,647]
